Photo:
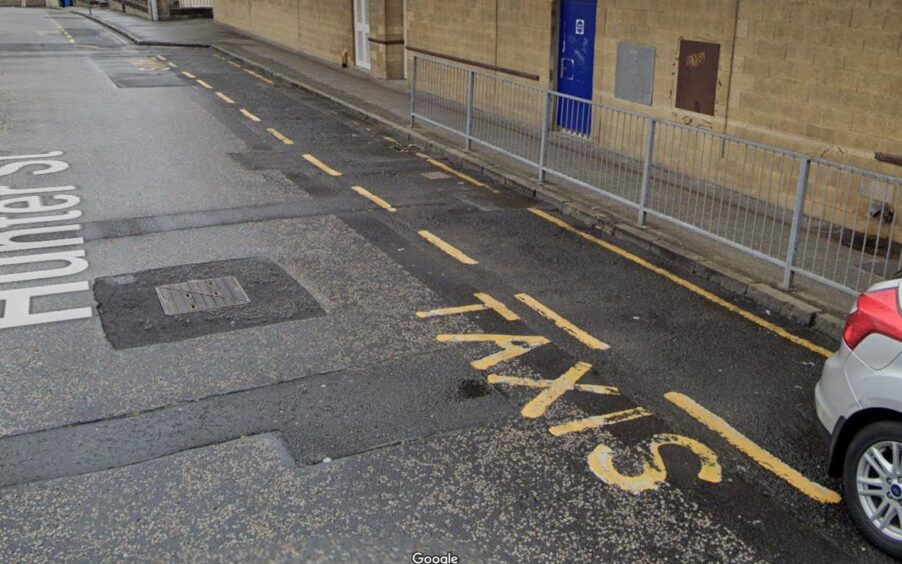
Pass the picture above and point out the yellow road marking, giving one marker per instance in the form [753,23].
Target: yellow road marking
[173,65]
[530,383]
[654,472]
[161,57]
[599,421]
[462,176]
[390,139]
[204,84]
[275,133]
[813,490]
[321,165]
[225,98]
[249,115]
[188,74]
[233,63]
[71,40]
[564,383]
[255,75]
[570,328]
[373,198]
[488,302]
[449,249]
[508,344]
[687,285]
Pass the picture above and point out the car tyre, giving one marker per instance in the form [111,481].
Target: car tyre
[875,434]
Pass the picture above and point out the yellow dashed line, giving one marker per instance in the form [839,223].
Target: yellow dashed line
[225,98]
[687,285]
[279,136]
[259,77]
[373,198]
[446,247]
[249,115]
[173,65]
[204,84]
[161,57]
[813,490]
[390,139]
[321,165]
[599,421]
[189,75]
[234,64]
[71,40]
[462,176]
[570,328]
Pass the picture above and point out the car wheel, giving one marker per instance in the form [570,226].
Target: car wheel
[872,480]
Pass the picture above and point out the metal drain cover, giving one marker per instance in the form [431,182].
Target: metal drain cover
[201,295]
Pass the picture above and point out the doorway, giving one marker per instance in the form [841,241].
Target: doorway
[362,34]
[576,65]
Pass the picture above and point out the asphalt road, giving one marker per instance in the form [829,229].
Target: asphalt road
[345,412]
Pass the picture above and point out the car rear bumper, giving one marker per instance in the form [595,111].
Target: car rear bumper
[833,397]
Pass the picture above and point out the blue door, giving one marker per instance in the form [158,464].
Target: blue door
[576,62]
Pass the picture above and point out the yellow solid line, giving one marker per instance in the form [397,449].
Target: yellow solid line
[255,75]
[687,285]
[225,98]
[462,176]
[599,421]
[188,74]
[204,84]
[446,247]
[570,328]
[249,115]
[373,198]
[321,165]
[279,136]
[497,307]
[813,490]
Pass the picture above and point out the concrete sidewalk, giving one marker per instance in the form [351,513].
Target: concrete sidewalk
[388,103]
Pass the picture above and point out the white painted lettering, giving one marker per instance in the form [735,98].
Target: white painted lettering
[51,167]
[34,204]
[7,242]
[9,191]
[75,266]
[17,305]
[7,222]
[20,157]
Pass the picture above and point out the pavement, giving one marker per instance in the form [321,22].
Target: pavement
[425,360]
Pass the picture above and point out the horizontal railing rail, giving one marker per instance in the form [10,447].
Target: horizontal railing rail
[833,223]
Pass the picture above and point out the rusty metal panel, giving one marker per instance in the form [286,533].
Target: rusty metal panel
[697,78]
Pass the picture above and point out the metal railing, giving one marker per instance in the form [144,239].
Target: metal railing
[829,222]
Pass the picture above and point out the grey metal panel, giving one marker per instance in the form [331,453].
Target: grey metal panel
[635,80]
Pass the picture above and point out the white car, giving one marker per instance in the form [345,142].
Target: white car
[859,402]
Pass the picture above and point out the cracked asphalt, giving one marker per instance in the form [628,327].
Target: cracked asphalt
[359,431]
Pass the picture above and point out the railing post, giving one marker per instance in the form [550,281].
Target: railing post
[543,143]
[797,211]
[471,78]
[646,170]
[413,91]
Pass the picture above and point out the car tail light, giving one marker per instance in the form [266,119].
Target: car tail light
[875,312]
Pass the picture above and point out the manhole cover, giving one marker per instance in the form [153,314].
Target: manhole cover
[201,295]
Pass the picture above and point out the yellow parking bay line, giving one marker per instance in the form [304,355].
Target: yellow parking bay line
[204,84]
[813,490]
[462,176]
[275,133]
[225,98]
[249,115]
[189,75]
[321,165]
[259,77]
[373,198]
[567,326]
[694,288]
[451,250]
